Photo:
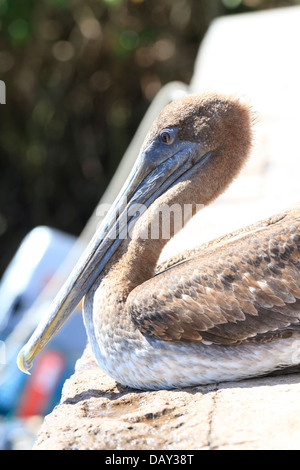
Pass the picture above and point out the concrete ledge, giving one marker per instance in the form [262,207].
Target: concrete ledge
[96,413]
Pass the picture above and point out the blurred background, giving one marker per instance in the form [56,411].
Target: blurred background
[79,76]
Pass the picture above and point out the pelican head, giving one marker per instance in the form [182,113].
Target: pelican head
[194,149]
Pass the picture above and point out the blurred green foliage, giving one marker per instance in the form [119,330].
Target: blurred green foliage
[79,76]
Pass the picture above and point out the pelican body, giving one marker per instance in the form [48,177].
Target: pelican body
[225,311]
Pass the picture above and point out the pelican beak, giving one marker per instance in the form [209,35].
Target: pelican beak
[157,168]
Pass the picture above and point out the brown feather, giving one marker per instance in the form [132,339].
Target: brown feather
[222,300]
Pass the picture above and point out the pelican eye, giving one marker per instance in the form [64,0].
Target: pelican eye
[167,137]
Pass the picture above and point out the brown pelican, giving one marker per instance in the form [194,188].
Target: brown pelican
[226,311]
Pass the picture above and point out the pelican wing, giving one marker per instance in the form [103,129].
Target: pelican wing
[244,289]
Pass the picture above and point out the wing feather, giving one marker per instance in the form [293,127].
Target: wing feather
[245,289]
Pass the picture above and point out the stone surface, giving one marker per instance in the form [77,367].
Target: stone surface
[97,413]
[100,414]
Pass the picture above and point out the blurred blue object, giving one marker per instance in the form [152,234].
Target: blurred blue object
[34,264]
[26,290]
